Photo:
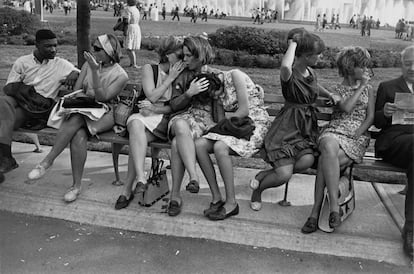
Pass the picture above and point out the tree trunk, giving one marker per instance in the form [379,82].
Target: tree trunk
[83,26]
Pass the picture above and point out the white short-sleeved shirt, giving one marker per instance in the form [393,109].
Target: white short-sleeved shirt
[45,77]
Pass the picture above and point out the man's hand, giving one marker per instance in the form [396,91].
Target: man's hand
[389,109]
[70,80]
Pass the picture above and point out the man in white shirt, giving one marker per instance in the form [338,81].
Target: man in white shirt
[44,73]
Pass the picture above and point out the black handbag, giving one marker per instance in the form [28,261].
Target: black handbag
[80,102]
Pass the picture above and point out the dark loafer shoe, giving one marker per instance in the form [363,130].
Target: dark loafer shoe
[214,207]
[123,201]
[193,187]
[7,164]
[221,214]
[1,177]
[310,226]
[174,208]
[335,218]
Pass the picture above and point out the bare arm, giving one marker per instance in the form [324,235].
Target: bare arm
[369,119]
[287,61]
[242,96]
[152,92]
[334,98]
[81,78]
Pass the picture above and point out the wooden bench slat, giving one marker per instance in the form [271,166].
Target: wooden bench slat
[376,164]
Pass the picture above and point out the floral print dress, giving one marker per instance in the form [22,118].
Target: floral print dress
[257,112]
[343,125]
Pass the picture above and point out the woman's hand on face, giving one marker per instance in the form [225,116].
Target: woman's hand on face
[176,69]
[365,79]
[93,64]
[198,86]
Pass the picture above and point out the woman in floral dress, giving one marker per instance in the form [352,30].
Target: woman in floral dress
[240,98]
[191,119]
[345,139]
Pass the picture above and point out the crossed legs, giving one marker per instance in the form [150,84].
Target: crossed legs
[138,142]
[279,175]
[183,157]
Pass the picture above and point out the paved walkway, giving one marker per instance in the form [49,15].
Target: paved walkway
[371,232]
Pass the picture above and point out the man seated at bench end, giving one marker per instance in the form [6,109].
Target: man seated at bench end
[395,141]
[28,96]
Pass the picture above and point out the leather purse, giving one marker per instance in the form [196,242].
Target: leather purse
[157,185]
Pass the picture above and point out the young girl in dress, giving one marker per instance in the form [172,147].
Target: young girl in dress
[290,143]
[345,139]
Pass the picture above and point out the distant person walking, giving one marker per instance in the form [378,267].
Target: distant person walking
[337,25]
[175,13]
[132,41]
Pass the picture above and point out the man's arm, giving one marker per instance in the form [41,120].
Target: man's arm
[70,80]
[380,120]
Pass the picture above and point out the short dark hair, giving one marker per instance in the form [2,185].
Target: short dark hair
[44,34]
[310,44]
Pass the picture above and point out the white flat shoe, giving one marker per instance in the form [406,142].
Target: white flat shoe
[254,184]
[72,194]
[38,172]
[256,206]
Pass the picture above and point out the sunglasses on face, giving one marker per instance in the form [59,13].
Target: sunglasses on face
[97,49]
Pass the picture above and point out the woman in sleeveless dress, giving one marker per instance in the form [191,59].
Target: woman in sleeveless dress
[150,123]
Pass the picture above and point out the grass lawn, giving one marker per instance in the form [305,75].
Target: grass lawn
[102,22]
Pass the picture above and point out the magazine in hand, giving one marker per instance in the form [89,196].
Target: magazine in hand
[405,113]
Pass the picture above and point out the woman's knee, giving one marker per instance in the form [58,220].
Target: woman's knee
[221,149]
[284,174]
[202,144]
[80,138]
[136,127]
[180,127]
[328,146]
